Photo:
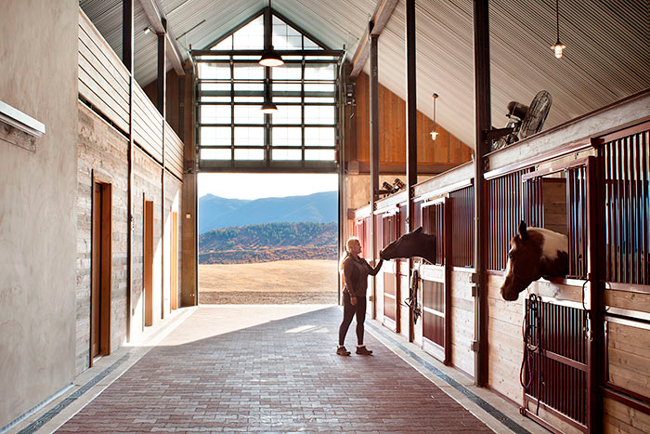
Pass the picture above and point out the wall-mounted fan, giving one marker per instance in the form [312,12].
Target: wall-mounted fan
[524,120]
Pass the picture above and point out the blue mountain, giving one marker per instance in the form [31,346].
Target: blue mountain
[218,212]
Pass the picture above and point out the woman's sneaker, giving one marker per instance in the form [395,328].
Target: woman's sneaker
[341,351]
[363,351]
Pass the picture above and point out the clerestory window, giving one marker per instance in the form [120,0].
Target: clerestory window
[233,133]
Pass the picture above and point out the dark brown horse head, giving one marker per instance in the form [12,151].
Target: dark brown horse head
[415,243]
[534,253]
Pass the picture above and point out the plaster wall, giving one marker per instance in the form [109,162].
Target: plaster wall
[38,54]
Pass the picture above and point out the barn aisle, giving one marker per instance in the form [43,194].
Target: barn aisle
[273,369]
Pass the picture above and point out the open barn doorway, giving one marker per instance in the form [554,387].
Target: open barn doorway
[268,238]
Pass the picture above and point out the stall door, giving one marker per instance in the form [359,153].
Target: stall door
[390,273]
[436,296]
[556,367]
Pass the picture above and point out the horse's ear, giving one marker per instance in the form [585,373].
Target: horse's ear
[523,230]
[418,230]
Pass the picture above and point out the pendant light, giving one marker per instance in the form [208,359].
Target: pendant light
[270,57]
[558,47]
[268,107]
[434,133]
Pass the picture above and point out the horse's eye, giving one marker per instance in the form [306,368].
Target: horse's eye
[510,255]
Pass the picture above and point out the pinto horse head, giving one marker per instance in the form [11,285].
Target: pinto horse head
[534,253]
[415,243]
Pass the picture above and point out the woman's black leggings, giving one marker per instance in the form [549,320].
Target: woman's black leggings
[348,312]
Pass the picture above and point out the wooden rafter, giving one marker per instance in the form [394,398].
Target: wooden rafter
[380,17]
[156,20]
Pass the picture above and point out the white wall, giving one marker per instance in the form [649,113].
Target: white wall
[38,54]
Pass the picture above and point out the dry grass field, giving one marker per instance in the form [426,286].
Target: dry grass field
[280,282]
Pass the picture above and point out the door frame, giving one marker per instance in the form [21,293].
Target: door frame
[105,266]
[147,261]
[173,263]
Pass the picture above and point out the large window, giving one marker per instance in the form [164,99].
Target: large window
[232,131]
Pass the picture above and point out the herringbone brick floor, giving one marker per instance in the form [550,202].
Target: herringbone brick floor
[275,376]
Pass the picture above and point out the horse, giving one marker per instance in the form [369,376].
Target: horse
[415,243]
[534,253]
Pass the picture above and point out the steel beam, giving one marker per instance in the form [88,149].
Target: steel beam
[306,53]
[411,135]
[379,19]
[374,155]
[162,73]
[483,125]
[127,59]
[411,110]
[159,25]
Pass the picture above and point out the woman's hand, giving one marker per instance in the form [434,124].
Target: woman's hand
[353,301]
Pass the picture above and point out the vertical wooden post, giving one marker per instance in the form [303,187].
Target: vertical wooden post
[411,138]
[374,153]
[127,59]
[483,124]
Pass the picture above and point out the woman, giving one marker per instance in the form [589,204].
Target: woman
[355,272]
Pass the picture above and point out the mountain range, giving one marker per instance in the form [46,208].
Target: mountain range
[269,242]
[217,212]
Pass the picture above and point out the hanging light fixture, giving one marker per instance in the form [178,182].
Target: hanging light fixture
[268,107]
[558,47]
[434,133]
[270,57]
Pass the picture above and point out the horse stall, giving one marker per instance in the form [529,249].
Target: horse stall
[573,350]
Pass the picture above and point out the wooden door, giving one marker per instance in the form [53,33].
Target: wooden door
[95,291]
[173,263]
[101,266]
[147,265]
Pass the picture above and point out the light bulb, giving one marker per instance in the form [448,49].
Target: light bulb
[558,47]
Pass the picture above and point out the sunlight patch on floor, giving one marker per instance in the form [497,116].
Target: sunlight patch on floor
[211,320]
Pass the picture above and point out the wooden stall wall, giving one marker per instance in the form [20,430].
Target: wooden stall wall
[101,154]
[462,320]
[566,183]
[626,244]
[433,157]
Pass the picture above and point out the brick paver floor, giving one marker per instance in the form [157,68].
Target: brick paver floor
[274,376]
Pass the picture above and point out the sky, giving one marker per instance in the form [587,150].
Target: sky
[255,186]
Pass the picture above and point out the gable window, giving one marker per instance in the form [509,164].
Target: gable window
[233,133]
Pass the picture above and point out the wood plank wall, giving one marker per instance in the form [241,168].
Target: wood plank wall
[104,85]
[101,153]
[447,150]
[103,79]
